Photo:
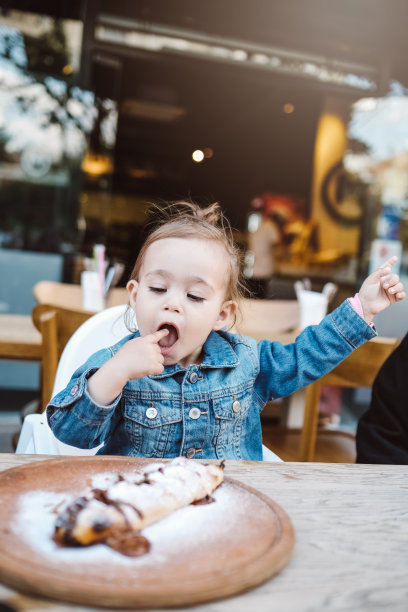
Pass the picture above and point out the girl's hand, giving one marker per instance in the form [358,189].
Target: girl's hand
[136,358]
[141,356]
[380,289]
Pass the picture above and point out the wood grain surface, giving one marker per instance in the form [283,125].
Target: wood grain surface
[351,552]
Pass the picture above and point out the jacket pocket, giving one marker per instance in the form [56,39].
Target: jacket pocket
[230,413]
[155,428]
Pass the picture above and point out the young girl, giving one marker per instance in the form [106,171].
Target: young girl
[182,384]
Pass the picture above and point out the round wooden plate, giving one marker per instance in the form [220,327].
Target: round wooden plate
[199,553]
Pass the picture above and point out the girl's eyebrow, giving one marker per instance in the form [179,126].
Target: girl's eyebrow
[163,273]
[197,280]
[192,280]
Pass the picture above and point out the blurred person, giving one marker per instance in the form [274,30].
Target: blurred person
[382,432]
[262,245]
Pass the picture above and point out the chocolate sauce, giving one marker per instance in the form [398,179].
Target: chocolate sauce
[66,521]
[102,496]
[128,542]
[203,501]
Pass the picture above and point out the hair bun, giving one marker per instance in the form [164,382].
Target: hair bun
[184,210]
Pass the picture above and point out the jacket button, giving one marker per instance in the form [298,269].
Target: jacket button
[236,406]
[74,389]
[151,413]
[193,377]
[190,453]
[194,413]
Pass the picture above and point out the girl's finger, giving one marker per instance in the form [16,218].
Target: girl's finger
[158,335]
[397,288]
[390,280]
[381,273]
[389,263]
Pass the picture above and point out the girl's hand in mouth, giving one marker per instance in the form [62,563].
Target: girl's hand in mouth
[136,358]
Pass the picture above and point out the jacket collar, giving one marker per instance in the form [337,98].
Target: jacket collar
[217,353]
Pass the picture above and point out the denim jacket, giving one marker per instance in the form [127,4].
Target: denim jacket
[211,410]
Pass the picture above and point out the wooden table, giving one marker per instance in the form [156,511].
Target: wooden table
[351,551]
[69,295]
[18,338]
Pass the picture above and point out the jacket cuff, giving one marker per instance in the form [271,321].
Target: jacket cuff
[353,327]
[76,397]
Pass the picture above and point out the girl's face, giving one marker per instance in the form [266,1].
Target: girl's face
[182,286]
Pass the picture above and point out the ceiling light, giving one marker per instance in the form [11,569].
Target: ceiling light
[288,108]
[96,165]
[198,155]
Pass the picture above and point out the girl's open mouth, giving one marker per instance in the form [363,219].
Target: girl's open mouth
[167,343]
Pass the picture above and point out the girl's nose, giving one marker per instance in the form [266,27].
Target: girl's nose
[174,308]
[174,304]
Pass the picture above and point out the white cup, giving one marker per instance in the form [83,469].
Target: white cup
[92,298]
[313,307]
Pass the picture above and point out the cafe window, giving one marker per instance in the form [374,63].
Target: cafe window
[44,119]
[48,126]
[377,158]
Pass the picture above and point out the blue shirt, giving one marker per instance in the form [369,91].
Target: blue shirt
[211,410]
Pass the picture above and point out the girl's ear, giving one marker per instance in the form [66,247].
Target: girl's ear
[132,291]
[228,310]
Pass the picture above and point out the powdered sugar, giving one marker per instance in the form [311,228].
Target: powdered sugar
[236,515]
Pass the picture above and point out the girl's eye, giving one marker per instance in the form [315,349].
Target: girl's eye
[157,289]
[195,298]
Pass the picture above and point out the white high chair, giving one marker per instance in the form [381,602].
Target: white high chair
[99,331]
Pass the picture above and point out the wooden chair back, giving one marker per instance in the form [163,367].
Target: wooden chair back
[56,326]
[358,370]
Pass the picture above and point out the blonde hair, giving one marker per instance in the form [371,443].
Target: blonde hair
[187,220]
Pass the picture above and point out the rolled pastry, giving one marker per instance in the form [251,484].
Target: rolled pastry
[131,503]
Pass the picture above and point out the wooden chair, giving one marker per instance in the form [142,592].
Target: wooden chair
[358,370]
[56,326]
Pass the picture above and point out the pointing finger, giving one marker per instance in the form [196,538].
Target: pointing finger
[385,268]
[389,263]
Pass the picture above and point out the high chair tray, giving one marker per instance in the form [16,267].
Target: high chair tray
[199,553]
